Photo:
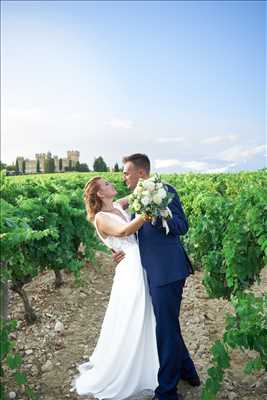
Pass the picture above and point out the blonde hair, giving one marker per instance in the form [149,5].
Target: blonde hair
[92,202]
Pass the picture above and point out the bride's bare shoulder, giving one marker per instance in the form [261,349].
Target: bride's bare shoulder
[102,216]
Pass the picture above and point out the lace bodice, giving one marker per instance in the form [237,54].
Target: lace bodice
[113,242]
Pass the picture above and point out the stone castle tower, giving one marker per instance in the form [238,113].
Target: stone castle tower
[73,155]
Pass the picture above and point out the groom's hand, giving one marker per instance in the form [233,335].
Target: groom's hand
[117,256]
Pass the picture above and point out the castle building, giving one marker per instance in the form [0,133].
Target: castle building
[41,158]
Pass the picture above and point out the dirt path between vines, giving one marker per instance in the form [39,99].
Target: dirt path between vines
[50,360]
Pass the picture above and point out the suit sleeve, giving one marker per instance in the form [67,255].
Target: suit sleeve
[178,224]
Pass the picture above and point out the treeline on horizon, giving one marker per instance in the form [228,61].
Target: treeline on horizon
[99,165]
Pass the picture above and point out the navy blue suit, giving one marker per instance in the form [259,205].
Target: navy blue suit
[167,266]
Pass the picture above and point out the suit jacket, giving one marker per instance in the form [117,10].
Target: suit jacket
[163,256]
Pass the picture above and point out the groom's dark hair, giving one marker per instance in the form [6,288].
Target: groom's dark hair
[139,161]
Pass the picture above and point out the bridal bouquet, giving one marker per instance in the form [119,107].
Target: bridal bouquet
[150,199]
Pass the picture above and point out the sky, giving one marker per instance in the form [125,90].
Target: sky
[181,81]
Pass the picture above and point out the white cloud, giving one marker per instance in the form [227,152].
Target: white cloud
[195,165]
[120,123]
[169,139]
[198,166]
[166,163]
[220,139]
[191,165]
[240,153]
[221,169]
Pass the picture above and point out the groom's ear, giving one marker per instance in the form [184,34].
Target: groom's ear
[141,173]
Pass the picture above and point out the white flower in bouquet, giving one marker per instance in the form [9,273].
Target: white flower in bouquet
[149,185]
[146,193]
[162,193]
[157,198]
[145,200]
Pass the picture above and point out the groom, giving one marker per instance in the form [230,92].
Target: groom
[167,266]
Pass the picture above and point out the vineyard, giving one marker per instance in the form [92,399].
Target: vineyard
[44,231]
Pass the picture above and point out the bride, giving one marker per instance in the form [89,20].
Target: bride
[125,359]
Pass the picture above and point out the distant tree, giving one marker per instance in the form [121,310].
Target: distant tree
[49,165]
[53,165]
[23,166]
[38,166]
[116,167]
[100,165]
[83,167]
[2,165]
[60,164]
[11,168]
[17,166]
[46,165]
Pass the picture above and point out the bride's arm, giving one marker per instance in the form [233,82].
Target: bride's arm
[109,227]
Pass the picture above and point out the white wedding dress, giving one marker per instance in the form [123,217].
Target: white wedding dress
[125,360]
